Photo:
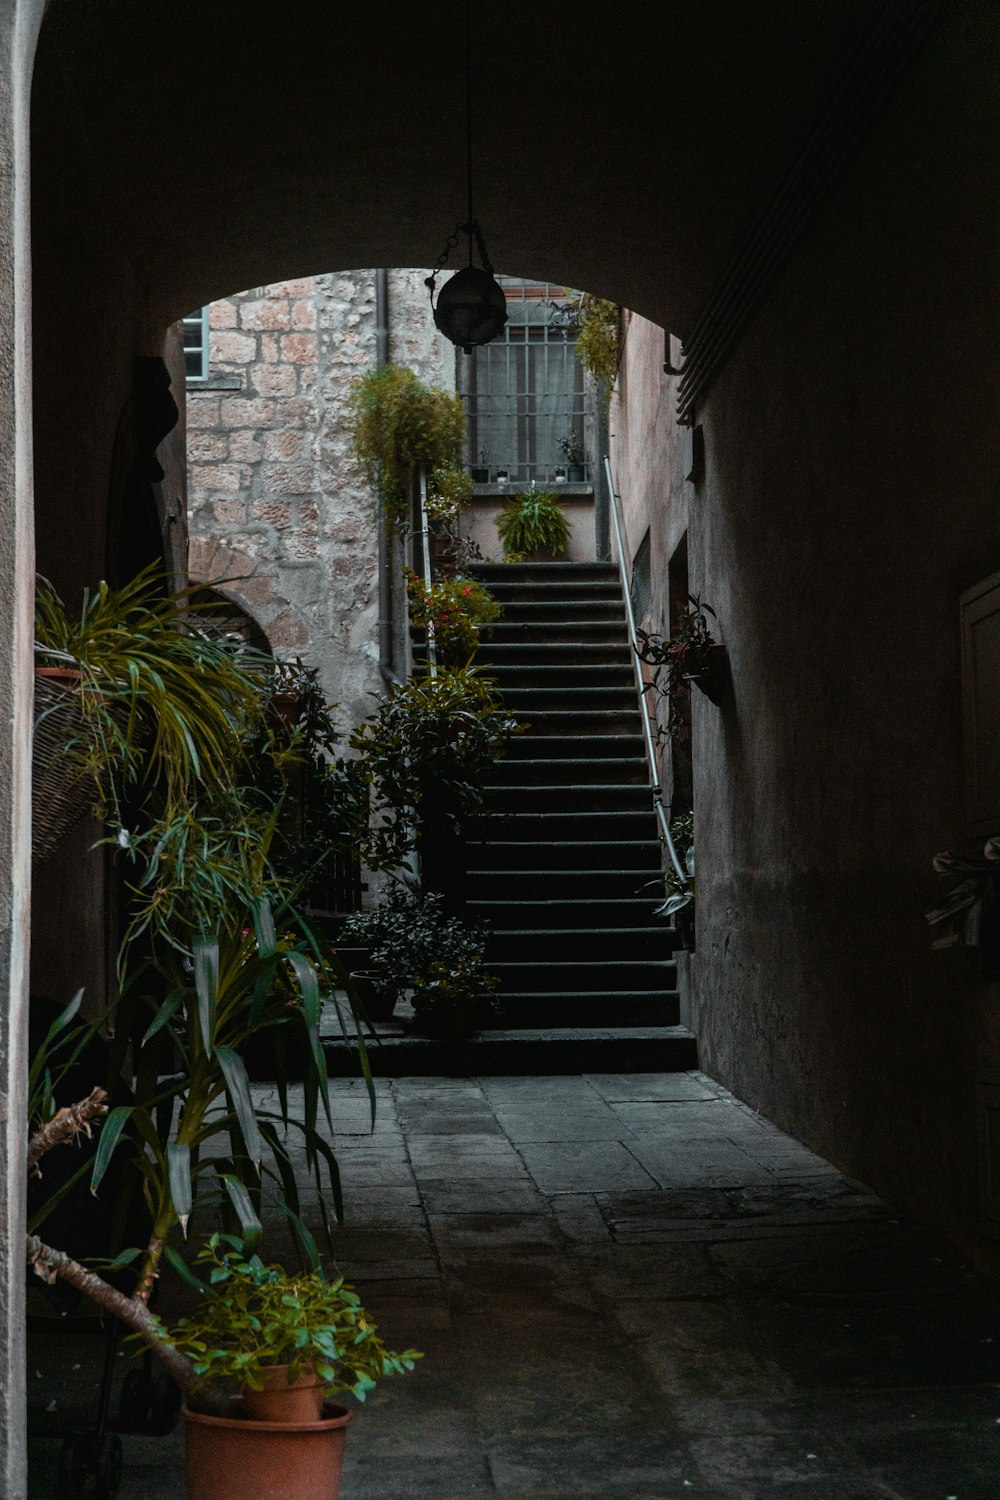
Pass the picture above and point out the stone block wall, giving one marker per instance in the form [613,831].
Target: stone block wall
[278,505]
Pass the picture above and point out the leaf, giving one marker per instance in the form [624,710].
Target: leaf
[206,983]
[263,922]
[184,1272]
[308,986]
[165,1013]
[111,1131]
[61,1021]
[250,1224]
[179,1180]
[238,1089]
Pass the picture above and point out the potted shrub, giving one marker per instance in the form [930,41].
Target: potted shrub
[455,609]
[574,455]
[148,698]
[415,943]
[533,525]
[286,1341]
[680,894]
[692,655]
[480,473]
[427,750]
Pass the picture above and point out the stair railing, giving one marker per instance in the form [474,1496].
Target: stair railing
[618,522]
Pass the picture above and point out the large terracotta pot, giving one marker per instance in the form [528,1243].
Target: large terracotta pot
[235,1458]
[281,1401]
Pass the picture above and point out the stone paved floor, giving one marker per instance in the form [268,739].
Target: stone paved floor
[629,1286]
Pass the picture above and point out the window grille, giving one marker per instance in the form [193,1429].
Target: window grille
[525,391]
[195,333]
[642,579]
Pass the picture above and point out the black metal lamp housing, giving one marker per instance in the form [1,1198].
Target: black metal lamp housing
[471,308]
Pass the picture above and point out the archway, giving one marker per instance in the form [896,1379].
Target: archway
[826,457]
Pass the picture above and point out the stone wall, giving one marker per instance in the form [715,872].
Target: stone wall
[277,503]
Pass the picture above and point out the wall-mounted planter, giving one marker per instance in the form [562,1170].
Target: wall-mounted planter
[709,667]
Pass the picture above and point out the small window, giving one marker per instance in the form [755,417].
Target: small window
[195,327]
[642,579]
[529,410]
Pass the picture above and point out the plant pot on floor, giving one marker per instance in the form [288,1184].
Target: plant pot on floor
[378,999]
[282,1400]
[237,1458]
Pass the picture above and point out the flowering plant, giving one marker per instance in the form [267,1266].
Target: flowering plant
[456,607]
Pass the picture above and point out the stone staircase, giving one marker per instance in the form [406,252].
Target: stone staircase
[565,867]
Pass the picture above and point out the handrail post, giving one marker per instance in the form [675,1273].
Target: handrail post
[618,523]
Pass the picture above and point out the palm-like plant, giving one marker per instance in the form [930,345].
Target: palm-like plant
[159,698]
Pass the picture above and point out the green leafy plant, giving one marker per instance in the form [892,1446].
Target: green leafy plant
[531,522]
[193,1139]
[398,423]
[159,698]
[429,743]
[572,448]
[419,945]
[455,607]
[597,322]
[254,1316]
[448,489]
[680,660]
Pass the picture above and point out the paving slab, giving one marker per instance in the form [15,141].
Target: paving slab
[626,1286]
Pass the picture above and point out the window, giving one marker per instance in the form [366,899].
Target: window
[195,329]
[525,392]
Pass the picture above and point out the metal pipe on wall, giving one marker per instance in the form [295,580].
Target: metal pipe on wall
[386,651]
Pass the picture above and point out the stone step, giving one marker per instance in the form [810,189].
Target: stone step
[575,828]
[533,745]
[578,943]
[574,797]
[575,723]
[546,677]
[636,856]
[494,655]
[610,977]
[542,1008]
[589,912]
[528,702]
[569,882]
[521,1052]
[554,611]
[555,630]
[542,572]
[551,771]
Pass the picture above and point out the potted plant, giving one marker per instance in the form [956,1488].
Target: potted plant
[286,1341]
[427,750]
[573,453]
[439,956]
[692,655]
[149,698]
[454,609]
[502,476]
[399,424]
[680,894]
[480,473]
[533,525]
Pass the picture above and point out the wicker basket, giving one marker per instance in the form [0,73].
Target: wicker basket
[60,795]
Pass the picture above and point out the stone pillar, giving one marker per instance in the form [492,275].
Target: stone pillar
[19,23]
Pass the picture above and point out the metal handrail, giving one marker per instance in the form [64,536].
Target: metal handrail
[641,686]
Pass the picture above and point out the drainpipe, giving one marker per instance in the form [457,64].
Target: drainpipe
[386,652]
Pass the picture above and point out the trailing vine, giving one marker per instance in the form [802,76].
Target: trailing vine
[398,423]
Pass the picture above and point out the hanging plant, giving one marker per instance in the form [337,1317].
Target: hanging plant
[597,338]
[398,423]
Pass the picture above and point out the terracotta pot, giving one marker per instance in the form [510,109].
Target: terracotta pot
[378,1005]
[279,1401]
[287,708]
[234,1458]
